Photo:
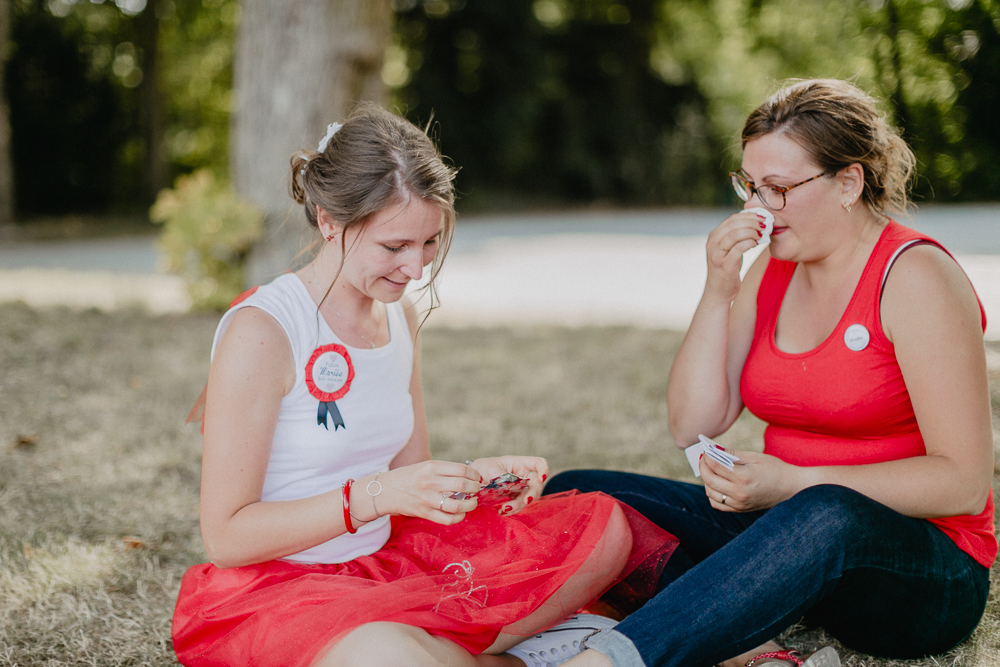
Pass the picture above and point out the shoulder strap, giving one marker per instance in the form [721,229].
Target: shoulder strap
[899,251]
[912,243]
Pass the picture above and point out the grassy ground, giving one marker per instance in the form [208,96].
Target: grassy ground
[99,475]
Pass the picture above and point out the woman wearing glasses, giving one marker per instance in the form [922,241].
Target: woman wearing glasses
[859,342]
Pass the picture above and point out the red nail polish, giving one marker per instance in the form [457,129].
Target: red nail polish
[763,226]
[480,479]
[759,233]
[528,501]
[544,477]
[507,508]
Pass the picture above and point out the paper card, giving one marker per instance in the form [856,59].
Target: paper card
[693,454]
[709,447]
[715,450]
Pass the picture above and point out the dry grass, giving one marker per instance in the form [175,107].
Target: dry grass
[99,476]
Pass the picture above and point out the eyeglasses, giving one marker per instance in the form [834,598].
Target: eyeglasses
[771,196]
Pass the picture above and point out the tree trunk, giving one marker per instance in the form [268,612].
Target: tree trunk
[298,66]
[6,168]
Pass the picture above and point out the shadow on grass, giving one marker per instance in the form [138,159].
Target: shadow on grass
[99,476]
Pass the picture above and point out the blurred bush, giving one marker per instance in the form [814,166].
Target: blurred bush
[207,233]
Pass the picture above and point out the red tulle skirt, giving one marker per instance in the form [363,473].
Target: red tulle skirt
[465,582]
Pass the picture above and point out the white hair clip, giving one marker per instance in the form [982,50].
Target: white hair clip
[331,130]
[303,156]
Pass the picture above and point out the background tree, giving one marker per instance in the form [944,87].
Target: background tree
[6,169]
[110,100]
[543,101]
[70,123]
[298,67]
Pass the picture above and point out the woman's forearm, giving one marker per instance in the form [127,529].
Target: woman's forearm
[266,530]
[922,487]
[703,393]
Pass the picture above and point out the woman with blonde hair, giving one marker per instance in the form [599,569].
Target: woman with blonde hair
[335,539]
[860,343]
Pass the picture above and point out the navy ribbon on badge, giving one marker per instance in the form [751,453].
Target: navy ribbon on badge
[331,408]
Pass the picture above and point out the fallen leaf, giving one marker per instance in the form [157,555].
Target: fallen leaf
[30,551]
[134,543]
[24,441]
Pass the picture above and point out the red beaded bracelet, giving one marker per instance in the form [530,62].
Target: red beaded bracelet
[347,507]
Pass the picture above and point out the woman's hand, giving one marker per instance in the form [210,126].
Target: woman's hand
[532,468]
[424,490]
[757,482]
[725,247]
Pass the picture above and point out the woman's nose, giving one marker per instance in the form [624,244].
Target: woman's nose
[413,267]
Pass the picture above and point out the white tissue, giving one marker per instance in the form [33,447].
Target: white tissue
[765,235]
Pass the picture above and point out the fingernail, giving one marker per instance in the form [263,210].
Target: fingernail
[701,456]
[544,477]
[480,479]
[763,226]
[507,508]
[528,501]
[759,233]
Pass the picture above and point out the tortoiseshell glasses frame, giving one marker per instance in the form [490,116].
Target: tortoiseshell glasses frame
[768,194]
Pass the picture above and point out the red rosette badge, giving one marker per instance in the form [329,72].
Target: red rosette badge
[328,376]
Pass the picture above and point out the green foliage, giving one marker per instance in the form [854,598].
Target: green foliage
[556,101]
[70,121]
[638,102]
[196,39]
[90,84]
[207,233]
[935,64]
[632,102]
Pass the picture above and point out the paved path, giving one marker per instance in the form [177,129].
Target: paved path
[645,268]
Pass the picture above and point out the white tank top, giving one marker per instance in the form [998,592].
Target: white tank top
[308,458]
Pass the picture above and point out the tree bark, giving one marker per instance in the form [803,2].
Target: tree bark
[298,66]
[6,167]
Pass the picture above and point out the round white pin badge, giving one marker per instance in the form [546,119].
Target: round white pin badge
[856,337]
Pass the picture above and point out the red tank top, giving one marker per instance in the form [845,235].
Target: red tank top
[845,401]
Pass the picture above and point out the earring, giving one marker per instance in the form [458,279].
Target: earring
[847,205]
[329,238]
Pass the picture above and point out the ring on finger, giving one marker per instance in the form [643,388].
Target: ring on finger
[723,499]
[441,504]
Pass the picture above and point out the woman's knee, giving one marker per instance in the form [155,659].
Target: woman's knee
[827,509]
[606,560]
[618,538]
[384,643]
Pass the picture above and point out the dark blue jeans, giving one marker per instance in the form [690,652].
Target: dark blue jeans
[880,582]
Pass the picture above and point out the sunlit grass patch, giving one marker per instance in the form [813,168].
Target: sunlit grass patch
[99,476]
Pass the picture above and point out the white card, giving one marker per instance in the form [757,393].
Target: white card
[693,453]
[715,450]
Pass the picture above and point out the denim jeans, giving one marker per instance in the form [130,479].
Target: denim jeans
[881,582]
